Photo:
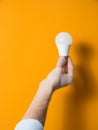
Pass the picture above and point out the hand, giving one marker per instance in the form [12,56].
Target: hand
[61,75]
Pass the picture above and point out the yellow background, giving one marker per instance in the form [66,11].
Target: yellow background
[28,53]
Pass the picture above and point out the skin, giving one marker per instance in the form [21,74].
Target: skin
[60,76]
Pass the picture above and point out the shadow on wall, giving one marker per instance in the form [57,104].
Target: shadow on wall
[82,90]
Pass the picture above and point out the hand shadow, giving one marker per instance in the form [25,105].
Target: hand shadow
[82,89]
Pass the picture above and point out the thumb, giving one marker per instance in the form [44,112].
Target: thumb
[62,61]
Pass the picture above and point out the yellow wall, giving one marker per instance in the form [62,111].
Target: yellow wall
[28,53]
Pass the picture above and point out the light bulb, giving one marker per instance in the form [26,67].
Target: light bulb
[63,42]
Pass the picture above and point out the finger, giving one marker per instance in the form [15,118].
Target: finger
[70,65]
[62,61]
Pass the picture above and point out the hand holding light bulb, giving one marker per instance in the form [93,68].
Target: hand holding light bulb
[63,42]
[58,77]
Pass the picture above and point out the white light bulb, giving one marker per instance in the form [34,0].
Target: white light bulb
[63,42]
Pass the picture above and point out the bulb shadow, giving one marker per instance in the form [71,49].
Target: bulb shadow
[82,90]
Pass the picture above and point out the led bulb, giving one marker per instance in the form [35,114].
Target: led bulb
[63,42]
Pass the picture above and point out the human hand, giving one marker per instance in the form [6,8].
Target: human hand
[62,74]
